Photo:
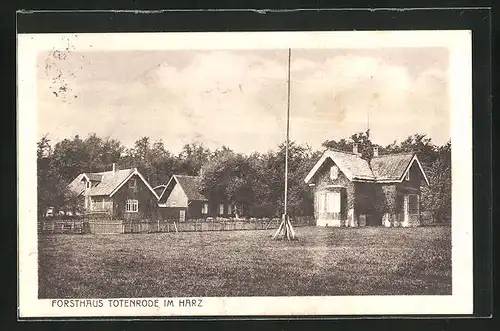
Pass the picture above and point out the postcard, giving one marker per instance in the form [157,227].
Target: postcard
[245,174]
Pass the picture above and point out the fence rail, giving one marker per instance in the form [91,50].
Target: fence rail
[152,226]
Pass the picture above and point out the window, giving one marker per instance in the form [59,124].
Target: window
[229,207]
[173,203]
[221,209]
[204,208]
[334,172]
[132,182]
[413,204]
[333,202]
[132,206]
[87,184]
[407,177]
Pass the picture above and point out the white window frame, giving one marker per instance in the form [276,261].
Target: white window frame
[221,209]
[407,177]
[132,206]
[334,172]
[204,208]
[229,209]
[132,183]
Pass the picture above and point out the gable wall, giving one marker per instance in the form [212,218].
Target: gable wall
[322,180]
[147,208]
[416,180]
[177,197]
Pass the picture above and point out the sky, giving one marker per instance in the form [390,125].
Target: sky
[239,98]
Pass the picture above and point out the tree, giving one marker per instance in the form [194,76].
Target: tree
[228,177]
[269,182]
[420,144]
[362,139]
[50,184]
[436,198]
[192,157]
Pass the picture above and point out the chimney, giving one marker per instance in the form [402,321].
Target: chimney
[355,148]
[114,167]
[375,151]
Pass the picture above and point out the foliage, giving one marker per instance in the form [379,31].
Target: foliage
[436,198]
[253,183]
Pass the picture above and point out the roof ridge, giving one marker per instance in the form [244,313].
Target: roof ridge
[108,171]
[394,154]
[341,151]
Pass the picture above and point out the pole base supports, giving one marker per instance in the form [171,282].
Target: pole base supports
[285,230]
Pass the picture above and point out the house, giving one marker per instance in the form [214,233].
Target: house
[351,191]
[122,194]
[181,200]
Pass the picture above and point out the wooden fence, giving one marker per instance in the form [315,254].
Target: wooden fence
[147,226]
[70,226]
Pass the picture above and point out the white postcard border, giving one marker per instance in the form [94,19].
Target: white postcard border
[459,45]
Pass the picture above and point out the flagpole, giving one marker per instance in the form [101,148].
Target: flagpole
[287,135]
[285,229]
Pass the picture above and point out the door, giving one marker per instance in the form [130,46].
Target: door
[182,215]
[333,205]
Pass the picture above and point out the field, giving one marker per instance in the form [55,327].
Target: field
[325,261]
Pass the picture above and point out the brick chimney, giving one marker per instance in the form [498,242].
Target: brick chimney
[375,151]
[355,148]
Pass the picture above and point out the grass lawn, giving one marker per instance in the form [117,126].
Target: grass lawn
[325,261]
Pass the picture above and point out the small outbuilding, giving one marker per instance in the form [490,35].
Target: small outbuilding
[181,200]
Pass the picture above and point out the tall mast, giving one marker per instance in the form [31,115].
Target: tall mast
[287,133]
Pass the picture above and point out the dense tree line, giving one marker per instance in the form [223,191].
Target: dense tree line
[253,183]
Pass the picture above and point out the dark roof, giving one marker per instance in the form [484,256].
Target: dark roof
[391,166]
[189,185]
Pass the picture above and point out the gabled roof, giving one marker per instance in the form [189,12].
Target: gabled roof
[385,168]
[189,185]
[352,165]
[77,186]
[109,182]
[391,166]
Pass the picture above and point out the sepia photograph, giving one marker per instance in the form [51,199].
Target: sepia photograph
[289,170]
